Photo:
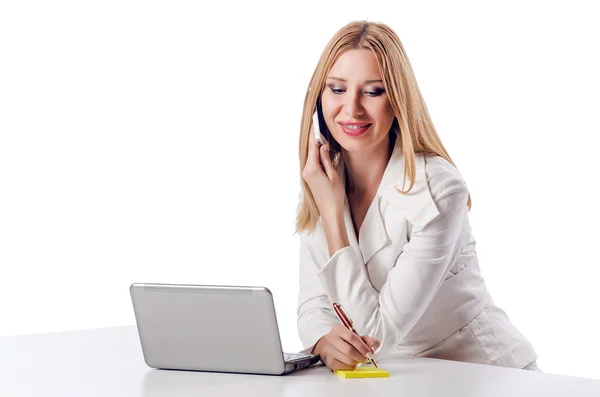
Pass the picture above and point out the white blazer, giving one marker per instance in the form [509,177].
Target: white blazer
[412,279]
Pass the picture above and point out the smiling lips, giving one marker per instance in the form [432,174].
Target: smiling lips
[354,128]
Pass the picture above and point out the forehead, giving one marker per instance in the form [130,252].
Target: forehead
[356,65]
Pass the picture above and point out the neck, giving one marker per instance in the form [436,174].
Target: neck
[365,169]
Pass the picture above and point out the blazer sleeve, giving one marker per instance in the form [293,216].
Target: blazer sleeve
[315,311]
[389,315]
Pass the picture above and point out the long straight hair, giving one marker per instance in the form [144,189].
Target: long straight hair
[412,123]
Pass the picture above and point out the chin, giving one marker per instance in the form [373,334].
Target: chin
[356,145]
[353,147]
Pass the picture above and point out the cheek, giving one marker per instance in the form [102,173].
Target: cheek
[330,109]
[384,114]
[381,109]
[328,104]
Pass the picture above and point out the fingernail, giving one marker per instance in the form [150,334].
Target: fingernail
[369,356]
[373,348]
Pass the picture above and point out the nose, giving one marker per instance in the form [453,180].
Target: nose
[354,108]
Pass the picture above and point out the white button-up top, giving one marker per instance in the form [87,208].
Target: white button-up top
[412,279]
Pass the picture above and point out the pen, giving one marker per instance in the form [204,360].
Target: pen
[348,323]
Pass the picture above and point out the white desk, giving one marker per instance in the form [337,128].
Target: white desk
[109,362]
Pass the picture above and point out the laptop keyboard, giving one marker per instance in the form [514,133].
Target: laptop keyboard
[294,356]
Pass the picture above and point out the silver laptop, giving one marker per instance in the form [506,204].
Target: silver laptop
[212,328]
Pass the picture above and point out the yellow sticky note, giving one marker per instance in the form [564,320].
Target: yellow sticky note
[366,371]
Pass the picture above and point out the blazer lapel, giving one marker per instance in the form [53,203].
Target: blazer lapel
[372,237]
[417,204]
[350,226]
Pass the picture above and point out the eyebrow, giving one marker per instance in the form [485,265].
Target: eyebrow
[344,80]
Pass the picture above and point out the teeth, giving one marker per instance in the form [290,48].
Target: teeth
[355,127]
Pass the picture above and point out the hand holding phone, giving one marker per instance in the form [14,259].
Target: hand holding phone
[322,171]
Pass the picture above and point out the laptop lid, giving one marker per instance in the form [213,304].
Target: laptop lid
[208,328]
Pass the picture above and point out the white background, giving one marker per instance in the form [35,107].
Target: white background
[158,142]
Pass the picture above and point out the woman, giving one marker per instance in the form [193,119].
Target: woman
[401,261]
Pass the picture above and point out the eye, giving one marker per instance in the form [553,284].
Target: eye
[374,93]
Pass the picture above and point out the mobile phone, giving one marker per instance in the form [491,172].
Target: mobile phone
[319,137]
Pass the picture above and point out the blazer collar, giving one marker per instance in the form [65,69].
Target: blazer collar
[372,236]
[417,205]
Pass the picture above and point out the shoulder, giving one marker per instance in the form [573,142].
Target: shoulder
[443,178]
[438,185]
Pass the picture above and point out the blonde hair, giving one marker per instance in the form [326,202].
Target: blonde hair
[416,131]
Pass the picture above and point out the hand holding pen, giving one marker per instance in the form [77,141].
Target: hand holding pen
[341,348]
[348,323]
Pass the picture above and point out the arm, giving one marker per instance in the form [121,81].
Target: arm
[315,313]
[320,329]
[415,278]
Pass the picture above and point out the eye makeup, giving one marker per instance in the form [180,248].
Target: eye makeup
[373,93]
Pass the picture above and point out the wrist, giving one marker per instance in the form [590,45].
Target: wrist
[334,227]
[332,216]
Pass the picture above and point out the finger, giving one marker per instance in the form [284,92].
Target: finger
[326,161]
[343,351]
[332,362]
[358,344]
[335,364]
[371,342]
[343,357]
[313,168]
[351,346]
